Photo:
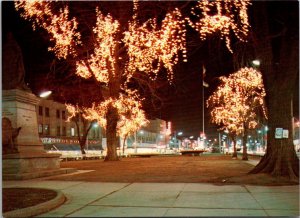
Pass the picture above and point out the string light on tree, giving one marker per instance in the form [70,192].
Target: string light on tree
[236,103]
[131,115]
[63,31]
[221,16]
[121,49]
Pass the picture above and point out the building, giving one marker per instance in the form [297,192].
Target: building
[155,134]
[56,133]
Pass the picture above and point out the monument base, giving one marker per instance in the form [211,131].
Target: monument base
[21,166]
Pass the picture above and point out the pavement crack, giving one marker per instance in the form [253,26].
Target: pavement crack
[125,186]
[177,196]
[255,199]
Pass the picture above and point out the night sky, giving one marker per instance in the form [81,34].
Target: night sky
[184,105]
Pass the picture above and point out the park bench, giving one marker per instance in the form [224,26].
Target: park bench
[143,155]
[192,152]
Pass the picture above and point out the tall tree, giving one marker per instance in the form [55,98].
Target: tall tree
[237,104]
[114,42]
[276,45]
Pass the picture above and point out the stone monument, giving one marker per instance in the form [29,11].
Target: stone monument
[23,154]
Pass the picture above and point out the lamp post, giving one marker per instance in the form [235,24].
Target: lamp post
[261,139]
[45,94]
[141,134]
[175,138]
[256,62]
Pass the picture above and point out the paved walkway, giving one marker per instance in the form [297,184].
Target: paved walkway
[96,199]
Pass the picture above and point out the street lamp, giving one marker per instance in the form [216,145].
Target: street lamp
[175,138]
[141,132]
[45,94]
[256,62]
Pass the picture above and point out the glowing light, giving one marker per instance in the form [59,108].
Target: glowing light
[256,62]
[223,17]
[45,94]
[62,30]
[118,54]
[131,115]
[236,101]
[151,47]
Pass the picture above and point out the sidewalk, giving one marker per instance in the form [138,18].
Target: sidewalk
[96,199]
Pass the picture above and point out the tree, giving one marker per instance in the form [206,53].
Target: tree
[114,48]
[131,115]
[75,92]
[276,44]
[77,115]
[236,104]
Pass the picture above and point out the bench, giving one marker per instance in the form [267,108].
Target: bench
[143,155]
[192,152]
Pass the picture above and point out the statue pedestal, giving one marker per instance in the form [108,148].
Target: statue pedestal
[31,161]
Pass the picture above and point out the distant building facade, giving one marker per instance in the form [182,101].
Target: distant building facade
[55,130]
[156,133]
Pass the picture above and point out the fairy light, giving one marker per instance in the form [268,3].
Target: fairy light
[63,31]
[151,47]
[131,115]
[223,17]
[235,102]
[72,111]
[101,63]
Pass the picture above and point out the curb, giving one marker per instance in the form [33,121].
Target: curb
[39,208]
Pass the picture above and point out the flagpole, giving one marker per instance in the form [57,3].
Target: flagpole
[203,130]
[204,84]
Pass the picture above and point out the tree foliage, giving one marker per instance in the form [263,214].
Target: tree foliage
[112,47]
[238,102]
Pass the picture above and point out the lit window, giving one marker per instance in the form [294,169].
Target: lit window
[72,131]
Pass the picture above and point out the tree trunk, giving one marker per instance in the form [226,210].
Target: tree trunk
[82,146]
[234,154]
[280,158]
[124,144]
[80,139]
[245,155]
[280,67]
[111,134]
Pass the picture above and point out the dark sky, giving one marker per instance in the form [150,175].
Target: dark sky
[184,106]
